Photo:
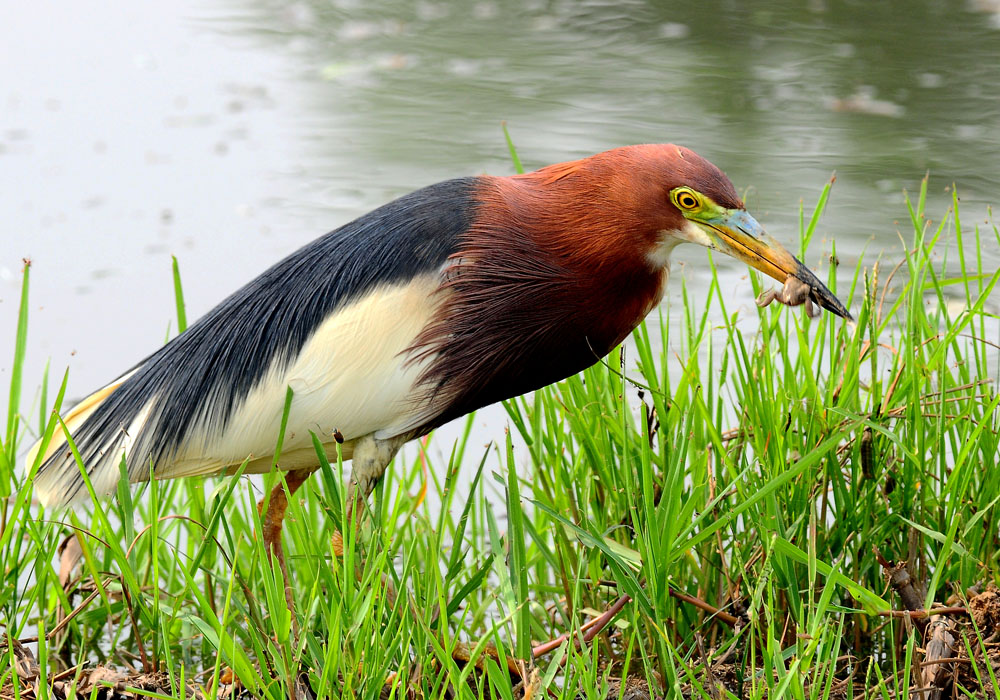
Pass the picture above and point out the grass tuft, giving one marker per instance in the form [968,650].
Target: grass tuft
[722,496]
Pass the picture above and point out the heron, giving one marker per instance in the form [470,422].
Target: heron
[455,296]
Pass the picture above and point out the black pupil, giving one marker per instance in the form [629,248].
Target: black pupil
[687,200]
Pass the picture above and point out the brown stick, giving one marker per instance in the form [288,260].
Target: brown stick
[902,583]
[937,668]
[920,614]
[720,615]
[938,630]
[709,676]
[591,628]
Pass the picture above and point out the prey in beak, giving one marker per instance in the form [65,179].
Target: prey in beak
[737,234]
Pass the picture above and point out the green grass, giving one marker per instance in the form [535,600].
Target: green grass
[755,461]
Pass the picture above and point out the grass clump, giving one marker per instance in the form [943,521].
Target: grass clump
[731,495]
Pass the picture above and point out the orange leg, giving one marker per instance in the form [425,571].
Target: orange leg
[272,521]
[355,509]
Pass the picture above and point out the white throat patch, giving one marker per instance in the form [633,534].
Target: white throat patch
[659,256]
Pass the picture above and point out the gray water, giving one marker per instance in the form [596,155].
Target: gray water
[230,133]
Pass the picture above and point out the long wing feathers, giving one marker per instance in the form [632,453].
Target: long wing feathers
[209,397]
[352,376]
[75,418]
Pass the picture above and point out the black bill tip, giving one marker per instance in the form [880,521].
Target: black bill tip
[820,295]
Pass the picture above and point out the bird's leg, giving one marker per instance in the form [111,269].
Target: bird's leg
[272,520]
[368,463]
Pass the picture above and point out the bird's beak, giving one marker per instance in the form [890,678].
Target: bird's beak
[738,234]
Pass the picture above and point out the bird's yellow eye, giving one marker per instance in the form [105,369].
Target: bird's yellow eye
[685,199]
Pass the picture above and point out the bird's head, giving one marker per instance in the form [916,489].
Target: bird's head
[703,207]
[672,195]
